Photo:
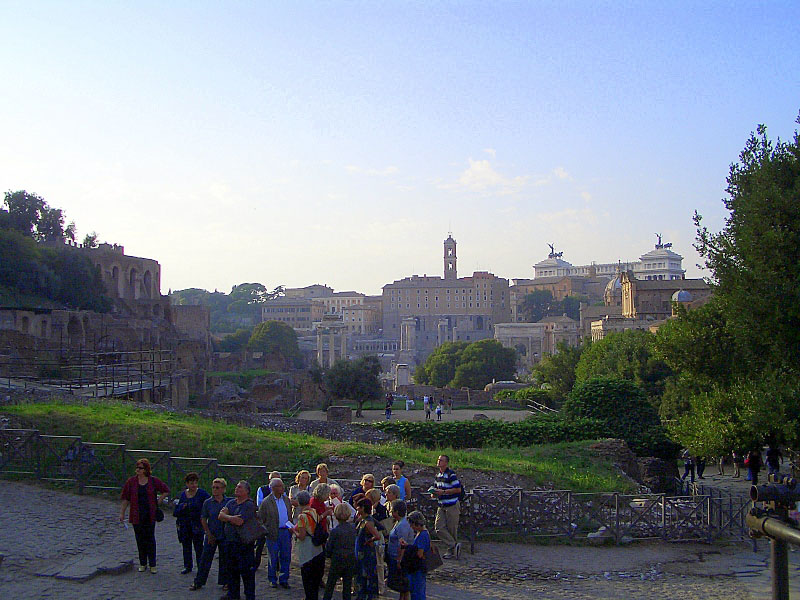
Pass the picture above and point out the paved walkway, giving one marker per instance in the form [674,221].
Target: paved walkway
[462,414]
[60,545]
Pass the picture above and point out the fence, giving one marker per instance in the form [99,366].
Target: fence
[486,513]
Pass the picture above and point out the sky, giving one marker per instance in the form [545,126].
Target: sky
[292,143]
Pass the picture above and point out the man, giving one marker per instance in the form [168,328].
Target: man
[774,459]
[274,513]
[240,555]
[447,491]
[214,529]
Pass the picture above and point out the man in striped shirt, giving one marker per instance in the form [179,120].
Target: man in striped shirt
[447,491]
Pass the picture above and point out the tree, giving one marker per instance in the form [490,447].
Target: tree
[275,337]
[355,380]
[24,210]
[90,240]
[571,306]
[236,341]
[557,370]
[536,305]
[440,367]
[482,362]
[629,355]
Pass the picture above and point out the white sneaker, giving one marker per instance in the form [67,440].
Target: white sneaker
[153,570]
[142,568]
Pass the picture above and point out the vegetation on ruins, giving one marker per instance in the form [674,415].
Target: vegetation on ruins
[540,303]
[356,380]
[556,372]
[229,312]
[460,364]
[48,276]
[275,337]
[562,466]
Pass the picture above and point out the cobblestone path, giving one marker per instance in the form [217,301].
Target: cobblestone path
[59,545]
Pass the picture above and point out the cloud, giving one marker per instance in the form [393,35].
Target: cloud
[385,172]
[481,176]
[586,196]
[561,173]
[490,151]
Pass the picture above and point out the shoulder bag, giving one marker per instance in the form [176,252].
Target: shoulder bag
[251,531]
[433,559]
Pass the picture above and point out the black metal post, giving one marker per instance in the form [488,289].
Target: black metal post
[779,567]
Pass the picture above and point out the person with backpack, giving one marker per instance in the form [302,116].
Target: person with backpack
[447,491]
[309,545]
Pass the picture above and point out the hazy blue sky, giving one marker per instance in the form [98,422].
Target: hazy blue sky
[338,142]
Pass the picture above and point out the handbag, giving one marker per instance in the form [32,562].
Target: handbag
[159,514]
[251,531]
[320,535]
[433,559]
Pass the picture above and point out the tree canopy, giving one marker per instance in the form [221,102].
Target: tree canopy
[557,371]
[355,380]
[275,337]
[540,303]
[460,364]
[229,312]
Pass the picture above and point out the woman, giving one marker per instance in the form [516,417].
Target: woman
[187,512]
[322,477]
[366,558]
[383,523]
[378,509]
[367,483]
[420,547]
[310,557]
[319,498]
[301,483]
[401,480]
[335,500]
[143,493]
[396,579]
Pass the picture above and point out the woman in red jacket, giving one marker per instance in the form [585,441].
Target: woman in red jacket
[142,493]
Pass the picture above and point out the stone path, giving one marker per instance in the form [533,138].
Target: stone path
[60,545]
[418,414]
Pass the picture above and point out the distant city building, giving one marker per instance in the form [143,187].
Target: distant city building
[425,311]
[661,263]
[310,291]
[299,313]
[652,299]
[533,341]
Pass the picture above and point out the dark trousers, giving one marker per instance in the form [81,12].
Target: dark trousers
[687,469]
[280,556]
[146,543]
[196,541]
[240,566]
[204,564]
[754,479]
[346,572]
[312,573]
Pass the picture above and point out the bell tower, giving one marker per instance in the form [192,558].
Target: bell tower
[450,271]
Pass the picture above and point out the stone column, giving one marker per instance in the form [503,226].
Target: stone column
[344,344]
[331,348]
[320,353]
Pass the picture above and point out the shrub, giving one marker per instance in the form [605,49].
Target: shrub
[623,409]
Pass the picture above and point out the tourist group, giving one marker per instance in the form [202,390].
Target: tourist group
[372,538]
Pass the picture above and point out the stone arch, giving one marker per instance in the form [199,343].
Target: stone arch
[75,331]
[43,333]
[148,284]
[132,281]
[116,282]
[521,349]
[26,324]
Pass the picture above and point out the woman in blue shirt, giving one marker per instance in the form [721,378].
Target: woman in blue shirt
[188,512]
[401,480]
[420,547]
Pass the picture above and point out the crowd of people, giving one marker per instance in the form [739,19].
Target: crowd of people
[752,461]
[371,539]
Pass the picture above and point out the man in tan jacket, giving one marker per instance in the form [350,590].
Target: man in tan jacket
[275,514]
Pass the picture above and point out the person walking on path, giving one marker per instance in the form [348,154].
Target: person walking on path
[234,515]
[738,463]
[754,464]
[446,491]
[688,465]
[426,405]
[774,459]
[187,514]
[340,548]
[215,535]
[274,514]
[701,466]
[143,493]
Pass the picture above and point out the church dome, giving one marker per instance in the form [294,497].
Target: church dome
[681,296]
[614,286]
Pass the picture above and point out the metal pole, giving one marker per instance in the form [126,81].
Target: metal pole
[779,566]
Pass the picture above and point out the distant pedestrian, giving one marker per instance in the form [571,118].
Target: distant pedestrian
[688,465]
[721,465]
[426,405]
[439,412]
[774,459]
[701,466]
[143,493]
[188,512]
[753,463]
[388,411]
[738,462]
[449,406]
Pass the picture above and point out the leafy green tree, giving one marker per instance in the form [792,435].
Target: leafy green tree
[536,305]
[557,371]
[236,341]
[629,355]
[625,411]
[275,337]
[571,306]
[484,361]
[355,380]
[24,210]
[90,240]
[440,367]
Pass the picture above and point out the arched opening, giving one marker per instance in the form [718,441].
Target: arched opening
[148,282]
[26,325]
[521,349]
[43,329]
[74,331]
[115,281]
[132,281]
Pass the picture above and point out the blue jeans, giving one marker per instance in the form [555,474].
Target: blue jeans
[280,556]
[204,565]
[416,581]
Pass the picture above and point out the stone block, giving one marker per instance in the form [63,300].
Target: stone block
[339,414]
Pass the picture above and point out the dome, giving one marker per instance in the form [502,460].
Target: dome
[681,296]
[615,285]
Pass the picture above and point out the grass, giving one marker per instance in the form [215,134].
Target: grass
[562,466]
